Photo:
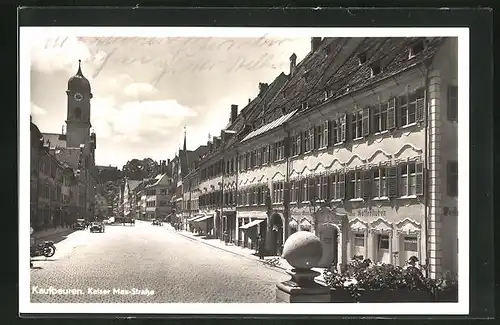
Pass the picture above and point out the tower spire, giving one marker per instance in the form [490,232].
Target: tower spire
[79,72]
[184,139]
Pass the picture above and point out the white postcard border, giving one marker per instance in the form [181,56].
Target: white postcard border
[462,307]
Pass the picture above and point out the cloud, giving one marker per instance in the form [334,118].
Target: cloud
[37,111]
[139,109]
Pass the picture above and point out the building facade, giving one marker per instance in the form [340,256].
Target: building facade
[358,146]
[157,198]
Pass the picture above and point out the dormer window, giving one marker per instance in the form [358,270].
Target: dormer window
[361,58]
[375,69]
[416,48]
[326,94]
[305,105]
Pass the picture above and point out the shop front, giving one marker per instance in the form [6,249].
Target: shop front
[205,225]
[229,226]
[332,228]
[250,225]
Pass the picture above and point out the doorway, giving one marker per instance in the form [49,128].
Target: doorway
[328,236]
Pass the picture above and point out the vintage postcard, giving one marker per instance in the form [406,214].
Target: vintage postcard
[241,170]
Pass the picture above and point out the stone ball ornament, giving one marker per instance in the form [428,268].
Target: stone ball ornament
[303,250]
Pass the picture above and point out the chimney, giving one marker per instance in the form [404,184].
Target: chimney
[262,88]
[293,64]
[315,42]
[249,100]
[234,112]
[168,161]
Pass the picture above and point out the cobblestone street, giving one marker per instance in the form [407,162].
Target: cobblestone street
[143,259]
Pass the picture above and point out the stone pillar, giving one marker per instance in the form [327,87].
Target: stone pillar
[367,244]
[390,246]
[340,249]
[434,176]
[303,251]
[397,240]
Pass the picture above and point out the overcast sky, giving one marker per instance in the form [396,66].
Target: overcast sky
[146,89]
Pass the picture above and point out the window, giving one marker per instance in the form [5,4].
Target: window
[324,189]
[278,192]
[355,185]
[383,242]
[410,244]
[323,137]
[296,145]
[416,48]
[163,203]
[380,117]
[265,155]
[361,58]
[280,150]
[452,178]
[293,191]
[411,107]
[335,132]
[359,240]
[452,112]
[163,191]
[311,189]
[309,140]
[78,112]
[305,192]
[376,69]
[337,186]
[379,183]
[259,157]
[357,125]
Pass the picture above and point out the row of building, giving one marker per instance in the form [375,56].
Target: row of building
[357,143]
[62,166]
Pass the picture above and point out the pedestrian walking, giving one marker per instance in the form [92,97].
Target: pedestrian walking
[260,246]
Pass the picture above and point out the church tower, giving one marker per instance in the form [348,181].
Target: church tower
[78,111]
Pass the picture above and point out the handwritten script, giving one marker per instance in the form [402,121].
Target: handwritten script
[181,54]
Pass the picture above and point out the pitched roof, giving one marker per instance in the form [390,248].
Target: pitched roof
[132,184]
[335,68]
[270,126]
[70,156]
[54,140]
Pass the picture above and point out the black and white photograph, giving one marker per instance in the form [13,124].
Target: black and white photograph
[213,170]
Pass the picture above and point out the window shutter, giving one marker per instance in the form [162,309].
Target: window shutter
[367,184]
[315,137]
[329,141]
[303,139]
[391,114]
[392,181]
[365,123]
[299,190]
[419,173]
[346,193]
[345,130]
[420,108]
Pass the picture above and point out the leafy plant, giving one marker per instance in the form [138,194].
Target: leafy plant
[362,274]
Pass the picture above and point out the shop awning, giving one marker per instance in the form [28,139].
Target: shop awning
[195,217]
[204,218]
[251,224]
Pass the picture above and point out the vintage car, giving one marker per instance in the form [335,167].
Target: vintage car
[79,224]
[97,227]
[157,222]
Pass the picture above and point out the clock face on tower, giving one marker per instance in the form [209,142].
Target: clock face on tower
[78,97]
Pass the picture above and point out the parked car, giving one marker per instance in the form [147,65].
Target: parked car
[97,227]
[79,224]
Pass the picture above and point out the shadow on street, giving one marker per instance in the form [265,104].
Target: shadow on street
[56,238]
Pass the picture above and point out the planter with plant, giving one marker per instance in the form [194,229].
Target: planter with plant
[364,281]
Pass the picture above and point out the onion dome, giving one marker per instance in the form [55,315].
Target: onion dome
[78,82]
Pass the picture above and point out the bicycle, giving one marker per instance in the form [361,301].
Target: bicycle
[274,261]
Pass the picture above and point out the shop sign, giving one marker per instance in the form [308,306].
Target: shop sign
[370,212]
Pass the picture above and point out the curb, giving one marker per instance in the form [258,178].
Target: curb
[226,250]
[54,234]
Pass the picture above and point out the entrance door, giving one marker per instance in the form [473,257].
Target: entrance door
[328,238]
[383,254]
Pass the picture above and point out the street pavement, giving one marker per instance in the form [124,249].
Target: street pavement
[148,264]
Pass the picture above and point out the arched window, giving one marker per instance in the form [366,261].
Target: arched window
[78,112]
